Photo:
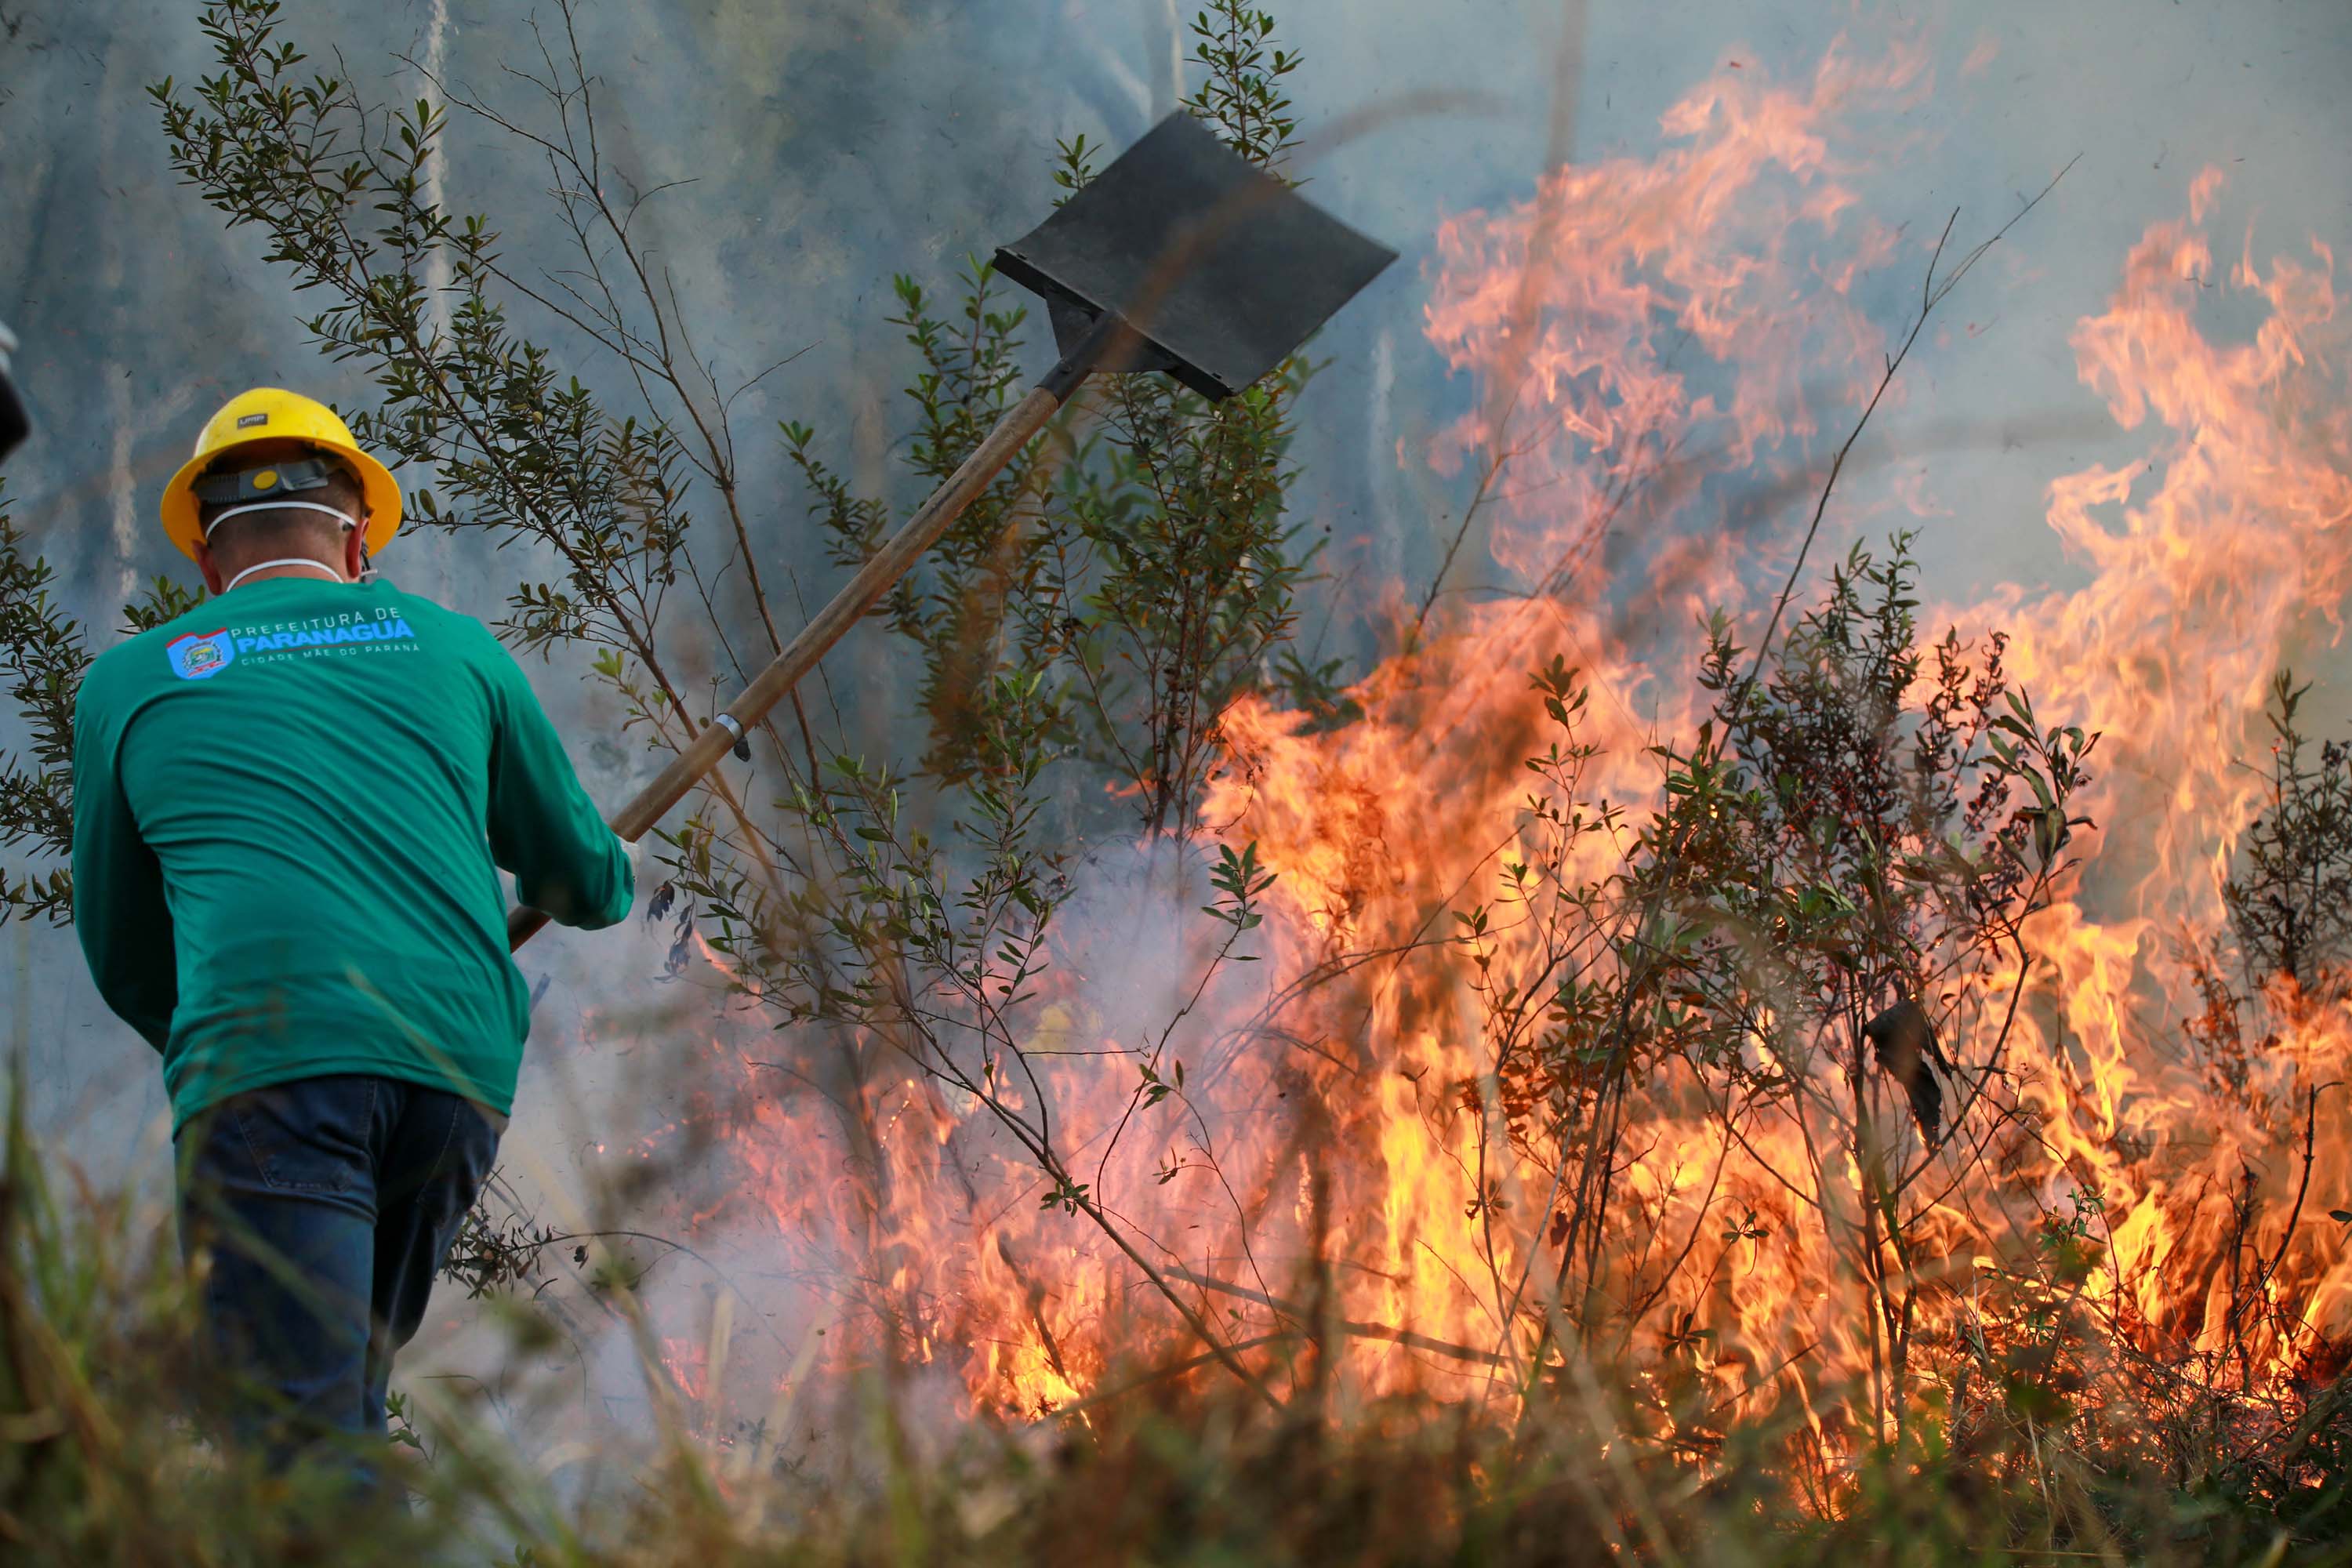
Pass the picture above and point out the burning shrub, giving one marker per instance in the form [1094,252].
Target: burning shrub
[2290,899]
[1850,852]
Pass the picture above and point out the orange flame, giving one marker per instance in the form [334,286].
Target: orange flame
[1649,340]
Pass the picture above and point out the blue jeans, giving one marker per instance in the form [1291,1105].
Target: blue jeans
[326,1204]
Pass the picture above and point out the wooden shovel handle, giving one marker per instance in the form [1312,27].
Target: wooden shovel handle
[800,655]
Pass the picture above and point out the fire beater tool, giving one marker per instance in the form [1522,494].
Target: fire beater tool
[1183,257]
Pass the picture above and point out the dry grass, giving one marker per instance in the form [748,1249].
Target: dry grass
[99,1464]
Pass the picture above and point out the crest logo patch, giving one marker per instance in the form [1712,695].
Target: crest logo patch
[202,654]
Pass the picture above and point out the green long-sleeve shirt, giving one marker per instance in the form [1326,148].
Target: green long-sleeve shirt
[289,807]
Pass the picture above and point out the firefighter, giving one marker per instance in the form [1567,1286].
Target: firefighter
[290,807]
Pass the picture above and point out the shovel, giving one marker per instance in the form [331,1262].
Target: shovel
[1183,257]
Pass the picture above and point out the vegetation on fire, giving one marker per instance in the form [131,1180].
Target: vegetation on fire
[1830,846]
[1864,819]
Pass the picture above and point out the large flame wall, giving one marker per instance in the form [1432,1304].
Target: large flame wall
[1663,353]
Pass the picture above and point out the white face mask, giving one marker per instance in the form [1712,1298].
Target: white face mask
[314,565]
[342,517]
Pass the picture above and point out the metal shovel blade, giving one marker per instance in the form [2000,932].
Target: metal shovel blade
[1218,267]
[1221,268]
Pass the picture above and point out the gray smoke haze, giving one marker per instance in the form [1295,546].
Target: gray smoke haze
[830,145]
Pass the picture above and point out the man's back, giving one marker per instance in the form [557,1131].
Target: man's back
[286,806]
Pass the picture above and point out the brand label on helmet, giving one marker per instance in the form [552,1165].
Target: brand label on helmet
[201,654]
[247,421]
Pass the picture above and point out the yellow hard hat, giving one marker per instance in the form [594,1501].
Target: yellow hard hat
[272,414]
